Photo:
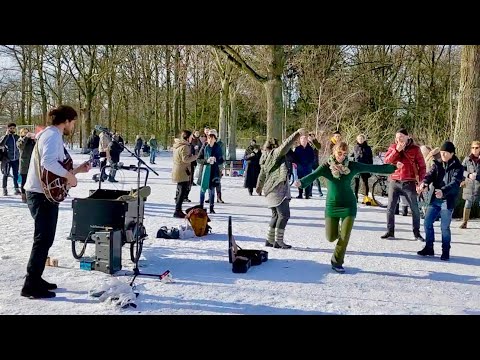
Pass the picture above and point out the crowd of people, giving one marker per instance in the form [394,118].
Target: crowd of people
[418,174]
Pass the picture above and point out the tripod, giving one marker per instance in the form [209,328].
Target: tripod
[139,229]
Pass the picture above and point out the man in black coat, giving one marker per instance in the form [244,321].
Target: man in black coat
[446,176]
[362,153]
[10,158]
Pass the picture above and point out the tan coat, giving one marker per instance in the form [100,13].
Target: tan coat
[182,159]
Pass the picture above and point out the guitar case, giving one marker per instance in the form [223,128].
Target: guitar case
[243,259]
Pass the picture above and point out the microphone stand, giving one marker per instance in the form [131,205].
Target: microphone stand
[139,226]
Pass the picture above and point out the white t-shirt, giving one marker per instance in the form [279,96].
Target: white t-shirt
[51,150]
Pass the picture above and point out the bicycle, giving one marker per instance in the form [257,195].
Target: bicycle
[380,187]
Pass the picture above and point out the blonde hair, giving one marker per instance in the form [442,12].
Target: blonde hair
[23,131]
[476,143]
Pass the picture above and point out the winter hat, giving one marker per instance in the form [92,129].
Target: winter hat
[448,146]
[402,131]
[213,132]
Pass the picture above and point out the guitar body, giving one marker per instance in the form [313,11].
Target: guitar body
[55,187]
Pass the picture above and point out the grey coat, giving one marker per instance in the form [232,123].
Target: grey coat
[273,179]
[471,190]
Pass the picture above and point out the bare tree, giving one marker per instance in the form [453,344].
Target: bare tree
[467,127]
[275,58]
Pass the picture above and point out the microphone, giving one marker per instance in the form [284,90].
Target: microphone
[102,128]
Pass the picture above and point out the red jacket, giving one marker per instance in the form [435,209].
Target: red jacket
[412,159]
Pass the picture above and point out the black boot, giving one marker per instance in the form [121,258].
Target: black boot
[211,210]
[47,285]
[179,214]
[426,251]
[405,210]
[337,268]
[445,255]
[33,289]
[388,235]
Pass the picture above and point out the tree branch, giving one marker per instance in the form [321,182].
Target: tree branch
[236,59]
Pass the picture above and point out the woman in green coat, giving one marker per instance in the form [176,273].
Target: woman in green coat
[341,203]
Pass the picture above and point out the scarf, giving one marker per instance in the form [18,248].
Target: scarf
[338,169]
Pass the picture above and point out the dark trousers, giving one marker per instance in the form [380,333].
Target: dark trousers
[103,163]
[24,180]
[407,189]
[280,215]
[14,166]
[45,215]
[319,186]
[182,190]
[308,191]
[364,178]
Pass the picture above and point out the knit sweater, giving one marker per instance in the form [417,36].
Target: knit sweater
[341,201]
[273,178]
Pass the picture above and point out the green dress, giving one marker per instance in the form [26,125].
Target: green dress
[341,200]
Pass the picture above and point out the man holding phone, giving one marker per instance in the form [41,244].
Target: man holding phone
[403,181]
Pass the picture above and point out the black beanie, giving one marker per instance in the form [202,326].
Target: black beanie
[448,146]
[403,131]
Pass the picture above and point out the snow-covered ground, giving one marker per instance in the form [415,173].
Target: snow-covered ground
[382,276]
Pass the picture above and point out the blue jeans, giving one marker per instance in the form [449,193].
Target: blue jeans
[153,153]
[211,196]
[438,207]
[469,204]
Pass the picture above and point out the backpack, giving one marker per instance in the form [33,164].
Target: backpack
[166,233]
[198,218]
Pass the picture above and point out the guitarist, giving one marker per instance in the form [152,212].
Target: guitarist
[49,154]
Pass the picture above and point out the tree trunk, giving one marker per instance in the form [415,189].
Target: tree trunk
[232,127]
[23,95]
[222,116]
[273,90]
[87,123]
[110,105]
[29,98]
[167,102]
[176,99]
[467,127]
[43,94]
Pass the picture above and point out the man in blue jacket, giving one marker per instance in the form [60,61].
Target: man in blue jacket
[445,175]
